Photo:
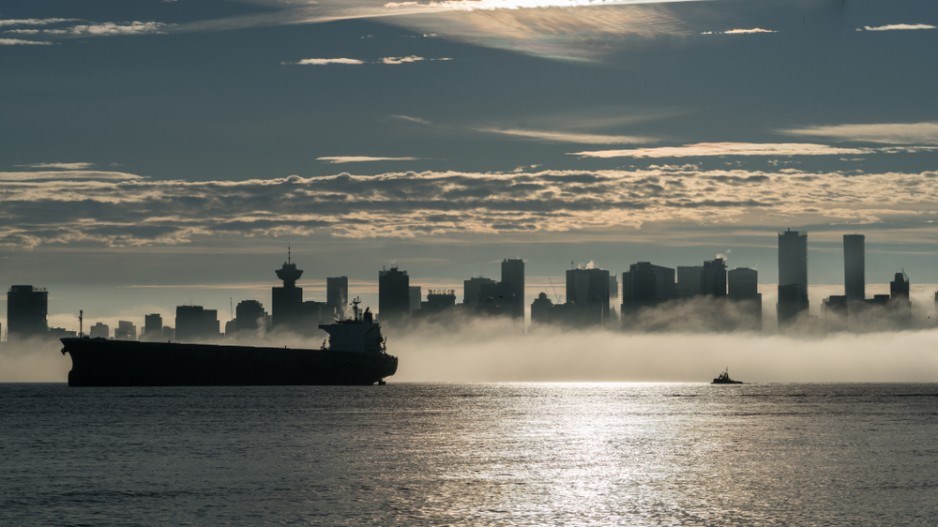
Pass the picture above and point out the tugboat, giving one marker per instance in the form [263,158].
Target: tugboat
[724,378]
[356,355]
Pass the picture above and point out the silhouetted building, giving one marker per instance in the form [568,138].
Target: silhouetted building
[125,330]
[337,295]
[152,327]
[713,278]
[613,289]
[472,290]
[287,300]
[196,323]
[587,296]
[416,294]
[689,281]
[834,306]
[513,280]
[541,310]
[792,276]
[100,331]
[61,333]
[250,316]
[27,308]
[394,294]
[744,290]
[899,299]
[854,268]
[645,285]
[438,301]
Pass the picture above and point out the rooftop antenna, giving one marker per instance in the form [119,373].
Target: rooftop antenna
[289,254]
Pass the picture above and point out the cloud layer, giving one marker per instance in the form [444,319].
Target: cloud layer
[115,208]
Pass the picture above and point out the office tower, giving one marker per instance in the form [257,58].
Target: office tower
[415,295]
[472,290]
[337,295]
[613,288]
[286,301]
[250,316]
[646,285]
[125,330]
[541,309]
[854,268]
[513,280]
[100,331]
[744,289]
[899,287]
[689,281]
[588,295]
[438,300]
[196,323]
[152,327]
[713,278]
[394,294]
[792,276]
[27,307]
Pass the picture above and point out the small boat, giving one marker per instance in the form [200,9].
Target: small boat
[724,378]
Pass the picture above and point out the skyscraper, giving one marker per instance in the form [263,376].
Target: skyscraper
[513,280]
[744,289]
[689,281]
[393,294]
[472,290]
[854,267]
[792,275]
[125,330]
[196,323]
[152,327]
[286,301]
[250,316]
[27,308]
[100,331]
[645,285]
[587,296]
[713,278]
[337,294]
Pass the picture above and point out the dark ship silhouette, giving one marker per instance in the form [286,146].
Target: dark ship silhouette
[356,355]
[724,378]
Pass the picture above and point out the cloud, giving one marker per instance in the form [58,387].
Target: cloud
[390,61]
[58,165]
[728,149]
[412,119]
[884,133]
[751,31]
[897,27]
[103,29]
[35,21]
[22,42]
[119,209]
[569,137]
[336,160]
[326,62]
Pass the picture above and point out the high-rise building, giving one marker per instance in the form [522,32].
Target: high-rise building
[196,323]
[541,309]
[337,295]
[100,331]
[125,330]
[513,280]
[588,295]
[899,287]
[713,278]
[27,308]
[249,316]
[394,294]
[286,301]
[152,327]
[744,290]
[472,290]
[689,281]
[438,301]
[645,285]
[415,294]
[792,275]
[854,267]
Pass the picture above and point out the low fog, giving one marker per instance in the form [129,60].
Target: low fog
[494,350]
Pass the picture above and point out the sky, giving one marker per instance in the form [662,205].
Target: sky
[154,153]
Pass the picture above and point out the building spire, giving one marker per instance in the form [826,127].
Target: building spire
[289,254]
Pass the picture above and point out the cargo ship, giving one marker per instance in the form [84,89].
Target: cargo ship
[355,354]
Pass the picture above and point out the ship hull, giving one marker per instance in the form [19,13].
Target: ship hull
[100,362]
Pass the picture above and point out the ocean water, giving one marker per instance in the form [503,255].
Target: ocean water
[470,454]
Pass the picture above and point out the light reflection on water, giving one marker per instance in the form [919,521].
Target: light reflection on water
[485,454]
